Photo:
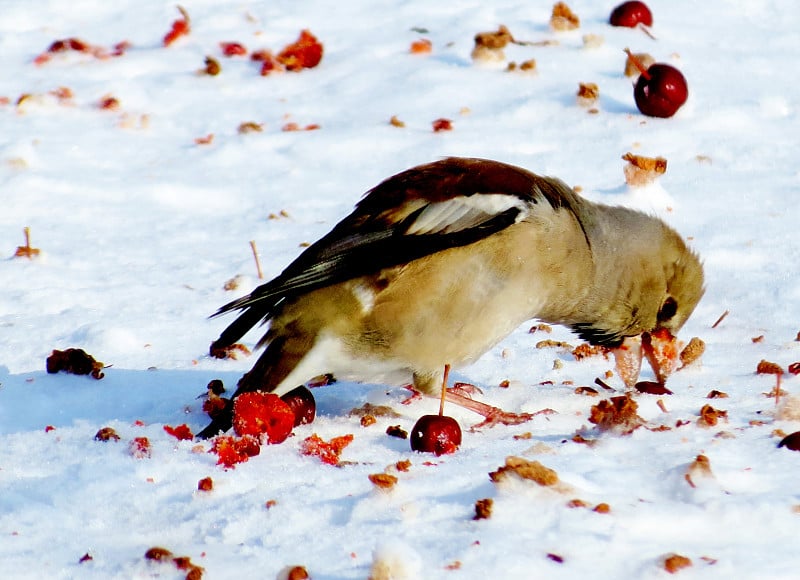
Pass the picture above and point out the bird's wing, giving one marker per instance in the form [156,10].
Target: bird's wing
[421,211]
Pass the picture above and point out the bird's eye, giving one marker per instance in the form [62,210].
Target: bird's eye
[668,309]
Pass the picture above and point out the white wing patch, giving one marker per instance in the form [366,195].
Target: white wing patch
[464,212]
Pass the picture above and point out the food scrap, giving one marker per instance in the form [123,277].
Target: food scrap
[75,361]
[699,468]
[421,46]
[181,432]
[616,413]
[140,447]
[563,18]
[263,416]
[709,416]
[530,470]
[640,171]
[231,450]
[692,351]
[182,563]
[327,451]
[483,509]
[230,49]
[442,124]
[205,484]
[27,251]
[180,27]
[588,94]
[383,481]
[305,52]
[675,562]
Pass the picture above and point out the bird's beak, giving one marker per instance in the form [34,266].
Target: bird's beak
[660,348]
[628,357]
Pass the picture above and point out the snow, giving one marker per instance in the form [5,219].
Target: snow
[140,228]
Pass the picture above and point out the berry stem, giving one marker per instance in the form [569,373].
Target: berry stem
[258,262]
[637,63]
[27,231]
[444,389]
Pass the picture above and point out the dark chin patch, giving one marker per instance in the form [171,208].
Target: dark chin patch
[598,336]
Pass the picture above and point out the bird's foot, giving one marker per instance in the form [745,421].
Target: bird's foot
[497,416]
[414,396]
[465,390]
[492,415]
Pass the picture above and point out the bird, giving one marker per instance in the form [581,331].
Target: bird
[440,262]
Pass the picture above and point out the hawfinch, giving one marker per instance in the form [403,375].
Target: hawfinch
[439,263]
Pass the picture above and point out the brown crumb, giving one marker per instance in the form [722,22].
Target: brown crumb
[588,93]
[585,350]
[157,554]
[368,420]
[618,413]
[709,416]
[523,436]
[640,170]
[578,438]
[250,127]
[483,509]
[383,480]
[577,503]
[715,394]
[692,351]
[396,122]
[489,45]
[562,18]
[548,343]
[397,431]
[766,367]
[586,391]
[531,470]
[205,484]
[700,467]
[602,508]
[675,562]
[757,339]
[541,328]
[212,67]
[403,465]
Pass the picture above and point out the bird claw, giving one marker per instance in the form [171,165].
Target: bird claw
[496,416]
[414,396]
[465,390]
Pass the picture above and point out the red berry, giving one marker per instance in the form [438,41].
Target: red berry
[631,14]
[437,434]
[302,404]
[660,91]
[262,415]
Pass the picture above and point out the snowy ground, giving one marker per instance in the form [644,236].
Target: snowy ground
[140,227]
